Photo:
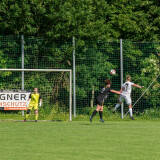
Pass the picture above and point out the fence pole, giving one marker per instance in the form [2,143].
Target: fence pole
[121,70]
[74,78]
[70,96]
[22,53]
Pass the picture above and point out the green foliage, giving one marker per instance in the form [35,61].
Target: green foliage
[94,68]
[91,22]
[152,113]
[85,19]
[94,60]
[150,70]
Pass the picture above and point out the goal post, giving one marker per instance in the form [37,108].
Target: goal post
[68,79]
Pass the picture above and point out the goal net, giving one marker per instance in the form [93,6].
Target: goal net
[54,85]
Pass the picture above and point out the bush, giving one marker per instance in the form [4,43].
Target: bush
[152,113]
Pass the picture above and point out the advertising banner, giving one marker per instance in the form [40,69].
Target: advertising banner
[14,99]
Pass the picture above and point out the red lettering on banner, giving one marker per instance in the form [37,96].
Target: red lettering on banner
[13,104]
[13,101]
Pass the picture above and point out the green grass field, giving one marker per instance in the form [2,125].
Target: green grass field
[113,140]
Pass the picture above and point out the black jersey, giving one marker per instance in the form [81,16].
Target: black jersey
[104,93]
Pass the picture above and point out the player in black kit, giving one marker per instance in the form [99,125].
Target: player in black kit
[101,97]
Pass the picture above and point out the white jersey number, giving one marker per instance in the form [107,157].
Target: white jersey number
[103,89]
[127,88]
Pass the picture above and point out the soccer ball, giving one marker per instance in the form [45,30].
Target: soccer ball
[112,72]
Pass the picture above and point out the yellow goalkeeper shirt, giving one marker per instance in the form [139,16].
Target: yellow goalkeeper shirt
[34,99]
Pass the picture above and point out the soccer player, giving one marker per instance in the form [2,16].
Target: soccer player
[100,99]
[126,95]
[33,104]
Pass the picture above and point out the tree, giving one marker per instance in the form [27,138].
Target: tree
[85,19]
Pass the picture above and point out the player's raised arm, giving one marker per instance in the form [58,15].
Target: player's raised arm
[116,92]
[40,104]
[138,86]
[120,93]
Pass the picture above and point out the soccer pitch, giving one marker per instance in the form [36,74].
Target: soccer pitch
[113,140]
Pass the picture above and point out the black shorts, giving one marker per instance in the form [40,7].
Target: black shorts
[99,101]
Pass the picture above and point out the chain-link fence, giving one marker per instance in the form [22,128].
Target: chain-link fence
[141,61]
[93,62]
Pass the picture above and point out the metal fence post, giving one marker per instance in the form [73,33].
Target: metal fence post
[70,97]
[121,71]
[74,78]
[22,53]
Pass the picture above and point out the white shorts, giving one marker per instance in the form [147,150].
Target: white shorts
[127,99]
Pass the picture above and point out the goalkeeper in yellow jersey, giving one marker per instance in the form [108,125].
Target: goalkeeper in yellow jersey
[32,103]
